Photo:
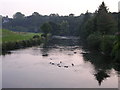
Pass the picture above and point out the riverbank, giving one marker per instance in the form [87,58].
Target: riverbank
[15,40]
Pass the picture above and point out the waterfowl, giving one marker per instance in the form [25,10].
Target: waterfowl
[75,52]
[45,55]
[66,66]
[69,54]
[59,66]
[53,63]
[72,64]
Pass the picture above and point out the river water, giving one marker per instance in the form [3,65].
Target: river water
[61,63]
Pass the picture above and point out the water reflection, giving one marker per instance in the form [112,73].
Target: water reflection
[61,44]
[59,63]
[65,45]
[103,65]
[100,76]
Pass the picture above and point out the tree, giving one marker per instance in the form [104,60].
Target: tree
[64,27]
[35,14]
[55,28]
[105,22]
[102,22]
[119,21]
[116,48]
[18,20]
[102,8]
[71,15]
[85,27]
[18,15]
[46,28]
[54,15]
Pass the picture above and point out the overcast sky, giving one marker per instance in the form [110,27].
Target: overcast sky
[46,7]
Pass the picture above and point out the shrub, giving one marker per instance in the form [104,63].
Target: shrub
[116,49]
[6,46]
[36,36]
[43,35]
[94,40]
[106,45]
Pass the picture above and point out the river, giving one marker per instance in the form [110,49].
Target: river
[61,63]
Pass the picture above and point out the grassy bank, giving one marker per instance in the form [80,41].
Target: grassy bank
[10,36]
[14,40]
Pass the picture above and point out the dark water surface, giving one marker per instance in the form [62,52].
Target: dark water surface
[62,63]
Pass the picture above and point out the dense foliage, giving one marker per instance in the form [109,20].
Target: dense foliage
[99,31]
[61,25]
[46,28]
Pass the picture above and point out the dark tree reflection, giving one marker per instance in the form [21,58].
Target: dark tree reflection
[102,65]
[58,43]
[100,76]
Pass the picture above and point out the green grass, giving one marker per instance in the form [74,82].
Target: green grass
[10,36]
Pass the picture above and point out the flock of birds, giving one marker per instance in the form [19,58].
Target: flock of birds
[60,64]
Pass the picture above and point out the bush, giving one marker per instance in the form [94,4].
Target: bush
[43,35]
[20,44]
[94,40]
[116,49]
[36,36]
[107,43]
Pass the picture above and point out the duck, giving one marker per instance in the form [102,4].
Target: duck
[59,66]
[66,66]
[75,52]
[72,64]
[53,63]
[69,54]
[45,55]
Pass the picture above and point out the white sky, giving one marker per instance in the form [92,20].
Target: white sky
[46,7]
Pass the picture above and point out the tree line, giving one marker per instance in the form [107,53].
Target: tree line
[61,25]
